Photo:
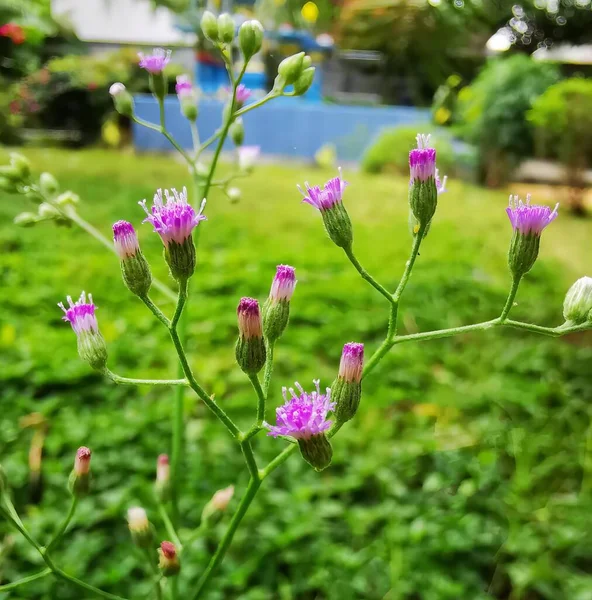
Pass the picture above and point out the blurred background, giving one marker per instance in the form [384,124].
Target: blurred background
[467,473]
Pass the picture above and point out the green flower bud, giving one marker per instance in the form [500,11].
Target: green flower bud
[67,199]
[21,165]
[250,38]
[122,99]
[8,185]
[290,68]
[135,269]
[276,312]
[306,62]
[47,211]
[237,132]
[316,451]
[48,184]
[11,173]
[303,83]
[26,219]
[226,28]
[181,258]
[423,200]
[577,307]
[158,84]
[209,26]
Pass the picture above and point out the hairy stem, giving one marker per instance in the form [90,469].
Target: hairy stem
[510,301]
[170,528]
[366,276]
[156,311]
[261,396]
[132,381]
[268,368]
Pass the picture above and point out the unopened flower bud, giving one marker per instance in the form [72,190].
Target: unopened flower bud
[209,26]
[67,199]
[162,485]
[276,312]
[135,269]
[11,173]
[423,192]
[79,482]
[187,95]
[21,165]
[528,222]
[139,527]
[328,201]
[577,307]
[237,132]
[290,68]
[306,61]
[234,194]
[26,219]
[247,157]
[48,184]
[346,390]
[250,38]
[303,83]
[214,509]
[226,28]
[122,99]
[250,347]
[8,185]
[168,559]
[47,211]
[91,345]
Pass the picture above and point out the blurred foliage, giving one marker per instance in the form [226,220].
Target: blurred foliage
[390,152]
[467,473]
[492,112]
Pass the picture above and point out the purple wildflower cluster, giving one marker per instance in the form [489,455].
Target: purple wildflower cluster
[530,219]
[175,220]
[352,362]
[304,414]
[422,160]
[283,284]
[81,314]
[249,318]
[125,239]
[156,62]
[326,198]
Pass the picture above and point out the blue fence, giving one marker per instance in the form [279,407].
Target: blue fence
[283,127]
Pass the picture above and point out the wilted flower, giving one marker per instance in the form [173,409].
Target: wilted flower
[528,222]
[250,347]
[155,62]
[347,387]
[79,481]
[81,315]
[304,418]
[139,527]
[82,461]
[163,477]
[329,202]
[247,157]
[168,559]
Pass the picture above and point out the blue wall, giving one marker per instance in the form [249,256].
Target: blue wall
[283,127]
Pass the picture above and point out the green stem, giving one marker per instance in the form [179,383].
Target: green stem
[131,381]
[257,104]
[268,368]
[261,396]
[10,586]
[226,540]
[183,285]
[155,572]
[194,136]
[366,276]
[208,143]
[247,451]
[410,263]
[510,301]
[169,527]
[156,311]
[162,129]
[64,526]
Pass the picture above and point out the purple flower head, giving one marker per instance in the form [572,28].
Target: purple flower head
[125,239]
[81,314]
[155,63]
[441,183]
[283,284]
[249,318]
[304,414]
[243,93]
[352,362]
[248,156]
[183,87]
[175,220]
[422,160]
[326,198]
[529,219]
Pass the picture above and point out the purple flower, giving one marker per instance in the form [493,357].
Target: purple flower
[243,93]
[304,415]
[283,284]
[529,219]
[422,160]
[81,314]
[249,318]
[175,220]
[326,198]
[352,362]
[125,240]
[155,63]
[183,87]
[248,156]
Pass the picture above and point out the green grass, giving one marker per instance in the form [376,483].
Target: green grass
[465,474]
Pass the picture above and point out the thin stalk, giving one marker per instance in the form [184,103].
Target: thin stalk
[250,493]
[261,396]
[170,528]
[132,381]
[510,301]
[10,586]
[247,451]
[366,276]
[194,136]
[156,311]
[410,263]
[58,536]
[154,571]
[268,368]
[257,104]
[208,143]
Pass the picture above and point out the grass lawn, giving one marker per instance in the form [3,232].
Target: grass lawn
[467,473]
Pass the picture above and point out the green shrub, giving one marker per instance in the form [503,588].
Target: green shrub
[492,113]
[390,152]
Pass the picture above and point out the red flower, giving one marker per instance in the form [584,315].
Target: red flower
[14,32]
